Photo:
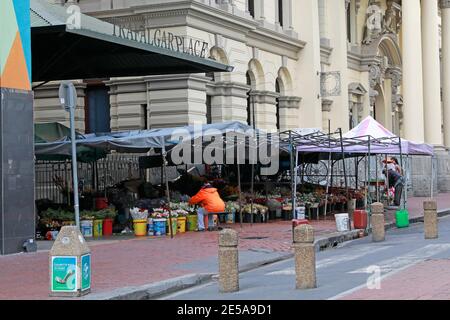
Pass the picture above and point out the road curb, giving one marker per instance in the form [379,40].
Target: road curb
[154,290]
[393,225]
[170,286]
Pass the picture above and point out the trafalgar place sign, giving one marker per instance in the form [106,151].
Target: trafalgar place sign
[167,40]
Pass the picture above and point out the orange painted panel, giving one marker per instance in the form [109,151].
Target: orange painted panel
[15,74]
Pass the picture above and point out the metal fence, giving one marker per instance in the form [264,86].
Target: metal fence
[54,179]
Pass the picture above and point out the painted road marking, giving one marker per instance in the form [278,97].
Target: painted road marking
[408,259]
[324,263]
[392,266]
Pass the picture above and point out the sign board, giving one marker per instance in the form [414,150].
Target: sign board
[85,272]
[67,95]
[64,274]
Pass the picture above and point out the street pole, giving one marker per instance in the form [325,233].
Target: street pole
[74,166]
[68,99]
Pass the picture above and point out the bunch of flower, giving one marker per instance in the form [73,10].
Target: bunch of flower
[160,213]
[139,214]
[232,206]
[180,213]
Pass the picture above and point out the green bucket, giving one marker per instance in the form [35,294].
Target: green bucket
[192,222]
[402,219]
[174,226]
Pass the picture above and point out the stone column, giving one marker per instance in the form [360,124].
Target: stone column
[228,261]
[445,15]
[289,111]
[412,71]
[265,109]
[177,100]
[228,101]
[431,72]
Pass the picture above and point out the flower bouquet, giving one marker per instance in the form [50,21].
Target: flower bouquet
[160,213]
[139,214]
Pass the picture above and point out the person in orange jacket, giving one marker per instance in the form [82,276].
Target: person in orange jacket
[210,200]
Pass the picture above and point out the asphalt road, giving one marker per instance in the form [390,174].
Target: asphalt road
[340,271]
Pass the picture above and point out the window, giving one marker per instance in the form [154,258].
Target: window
[280,12]
[349,24]
[208,110]
[278,90]
[144,112]
[251,7]
[249,101]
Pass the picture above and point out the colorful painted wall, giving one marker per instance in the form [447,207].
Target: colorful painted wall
[15,44]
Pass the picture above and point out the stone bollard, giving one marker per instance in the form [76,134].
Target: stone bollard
[305,257]
[228,261]
[430,219]
[70,264]
[378,229]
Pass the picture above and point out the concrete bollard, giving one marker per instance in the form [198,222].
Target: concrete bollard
[228,261]
[70,264]
[305,257]
[430,219]
[378,229]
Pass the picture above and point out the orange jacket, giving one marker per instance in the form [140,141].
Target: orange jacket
[209,199]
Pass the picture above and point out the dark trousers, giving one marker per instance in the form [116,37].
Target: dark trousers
[398,192]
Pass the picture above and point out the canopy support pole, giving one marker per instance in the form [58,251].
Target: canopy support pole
[164,162]
[432,178]
[292,170]
[345,171]
[405,180]
[330,170]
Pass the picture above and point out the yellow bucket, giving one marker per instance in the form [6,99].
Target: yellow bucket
[98,228]
[140,228]
[181,222]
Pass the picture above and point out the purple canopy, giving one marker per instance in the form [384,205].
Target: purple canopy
[382,140]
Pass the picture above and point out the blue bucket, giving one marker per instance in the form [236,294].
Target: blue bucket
[159,227]
[150,229]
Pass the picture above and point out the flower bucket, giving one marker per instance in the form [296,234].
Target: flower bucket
[98,228]
[174,226]
[159,227]
[402,219]
[140,228]
[86,228]
[150,227]
[107,227]
[192,221]
[230,218]
[181,224]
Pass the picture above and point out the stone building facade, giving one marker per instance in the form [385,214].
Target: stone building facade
[297,63]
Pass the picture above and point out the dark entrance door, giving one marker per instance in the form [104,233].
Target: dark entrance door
[98,116]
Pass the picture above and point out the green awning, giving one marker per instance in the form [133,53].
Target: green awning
[96,51]
[53,132]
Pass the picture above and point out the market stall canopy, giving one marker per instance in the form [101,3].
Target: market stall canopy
[369,137]
[49,135]
[142,141]
[97,49]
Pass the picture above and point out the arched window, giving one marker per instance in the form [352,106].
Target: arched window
[251,7]
[249,102]
[280,12]
[278,90]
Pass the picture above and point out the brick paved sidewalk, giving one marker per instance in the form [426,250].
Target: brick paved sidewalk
[136,262]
